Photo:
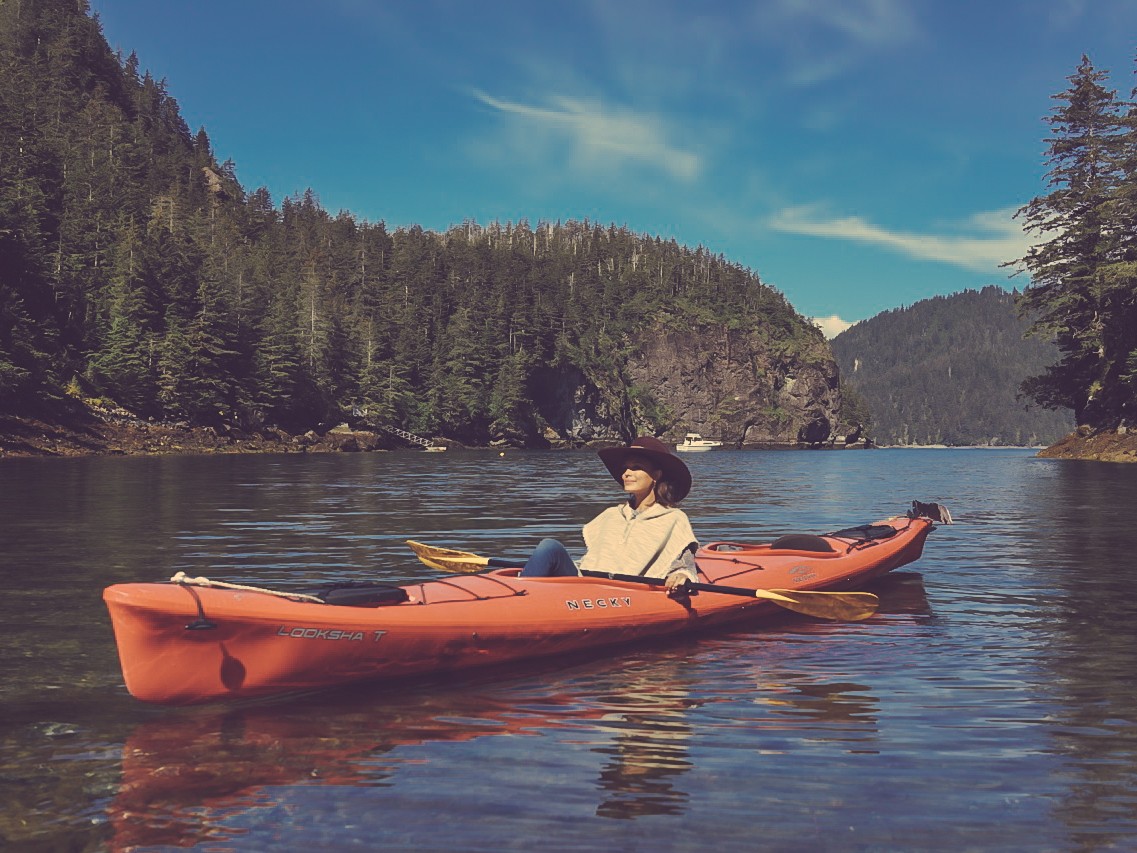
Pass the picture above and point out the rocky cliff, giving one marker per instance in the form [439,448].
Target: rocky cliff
[743,386]
[737,385]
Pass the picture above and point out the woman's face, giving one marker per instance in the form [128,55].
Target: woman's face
[639,477]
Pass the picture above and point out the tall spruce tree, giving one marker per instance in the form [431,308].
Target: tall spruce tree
[1076,286]
[1121,272]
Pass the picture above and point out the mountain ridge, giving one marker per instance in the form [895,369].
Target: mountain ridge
[947,371]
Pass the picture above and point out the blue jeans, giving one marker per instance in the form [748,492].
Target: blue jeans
[549,559]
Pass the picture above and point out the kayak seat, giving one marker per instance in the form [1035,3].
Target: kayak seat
[867,532]
[361,595]
[793,543]
[801,542]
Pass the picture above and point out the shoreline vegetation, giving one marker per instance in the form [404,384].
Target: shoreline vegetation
[84,429]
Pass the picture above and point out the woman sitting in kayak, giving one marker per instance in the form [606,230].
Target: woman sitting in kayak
[648,535]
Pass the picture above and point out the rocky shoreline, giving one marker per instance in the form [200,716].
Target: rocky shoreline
[91,430]
[1098,446]
[96,431]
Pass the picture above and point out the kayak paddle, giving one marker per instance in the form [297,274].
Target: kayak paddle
[842,606]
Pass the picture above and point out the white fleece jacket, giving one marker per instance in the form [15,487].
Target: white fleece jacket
[653,542]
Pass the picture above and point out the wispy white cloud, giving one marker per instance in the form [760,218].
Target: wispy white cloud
[830,326]
[1062,14]
[992,238]
[867,22]
[824,39]
[601,136]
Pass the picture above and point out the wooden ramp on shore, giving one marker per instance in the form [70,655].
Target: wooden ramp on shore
[425,443]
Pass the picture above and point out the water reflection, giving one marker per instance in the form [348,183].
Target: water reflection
[197,777]
[901,592]
[204,777]
[649,750]
[1087,521]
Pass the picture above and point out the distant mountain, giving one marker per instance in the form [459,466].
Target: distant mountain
[947,371]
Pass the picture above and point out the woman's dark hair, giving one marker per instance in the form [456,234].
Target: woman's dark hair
[665,493]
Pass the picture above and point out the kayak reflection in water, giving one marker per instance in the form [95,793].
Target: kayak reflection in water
[647,536]
[647,757]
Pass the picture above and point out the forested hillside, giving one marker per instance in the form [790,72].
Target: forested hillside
[948,371]
[135,268]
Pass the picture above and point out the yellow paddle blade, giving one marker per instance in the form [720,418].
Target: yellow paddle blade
[447,559]
[839,606]
[455,564]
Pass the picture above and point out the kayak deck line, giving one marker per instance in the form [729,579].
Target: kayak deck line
[185,580]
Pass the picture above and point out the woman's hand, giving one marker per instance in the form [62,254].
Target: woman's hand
[675,582]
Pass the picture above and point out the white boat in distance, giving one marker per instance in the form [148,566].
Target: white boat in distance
[695,443]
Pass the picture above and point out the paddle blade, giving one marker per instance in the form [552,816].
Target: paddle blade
[447,559]
[455,564]
[837,606]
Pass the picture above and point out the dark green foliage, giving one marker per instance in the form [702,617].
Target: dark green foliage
[856,413]
[1083,271]
[131,258]
[947,371]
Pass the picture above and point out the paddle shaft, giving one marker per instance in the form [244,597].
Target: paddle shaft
[500,563]
[850,606]
[689,585]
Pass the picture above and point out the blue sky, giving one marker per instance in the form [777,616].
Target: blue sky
[859,155]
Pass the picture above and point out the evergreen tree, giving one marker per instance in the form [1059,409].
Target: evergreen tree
[510,409]
[1076,289]
[281,389]
[385,394]
[198,363]
[1121,271]
[125,366]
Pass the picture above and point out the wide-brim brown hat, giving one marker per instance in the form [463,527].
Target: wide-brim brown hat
[674,469]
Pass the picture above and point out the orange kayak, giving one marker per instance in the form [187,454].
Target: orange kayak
[181,643]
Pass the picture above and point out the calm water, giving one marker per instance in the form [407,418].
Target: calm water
[990,706]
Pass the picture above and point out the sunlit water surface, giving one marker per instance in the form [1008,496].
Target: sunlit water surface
[989,706]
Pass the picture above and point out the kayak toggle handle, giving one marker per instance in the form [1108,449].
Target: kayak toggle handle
[200,623]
